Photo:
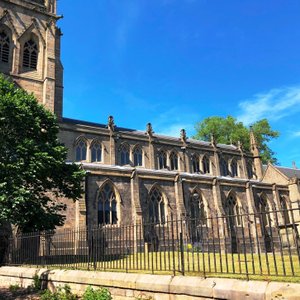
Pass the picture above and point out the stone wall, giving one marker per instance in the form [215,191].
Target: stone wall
[160,287]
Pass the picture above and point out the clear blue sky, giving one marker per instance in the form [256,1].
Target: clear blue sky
[175,62]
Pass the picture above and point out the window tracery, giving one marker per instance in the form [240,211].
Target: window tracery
[232,210]
[124,154]
[96,152]
[205,165]
[264,219]
[107,206]
[262,207]
[80,150]
[138,156]
[285,212]
[4,47]
[162,159]
[156,207]
[233,219]
[30,55]
[195,163]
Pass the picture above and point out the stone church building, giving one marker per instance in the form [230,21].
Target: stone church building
[131,175]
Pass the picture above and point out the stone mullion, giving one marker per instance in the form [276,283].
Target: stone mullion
[187,162]
[251,213]
[217,199]
[151,155]
[179,197]
[217,163]
[112,150]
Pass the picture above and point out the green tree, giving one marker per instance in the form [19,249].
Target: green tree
[33,168]
[229,130]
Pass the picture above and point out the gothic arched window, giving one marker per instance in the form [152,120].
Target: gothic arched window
[262,207]
[264,218]
[233,219]
[107,205]
[124,154]
[234,168]
[80,150]
[162,159]
[224,167]
[250,169]
[285,211]
[138,156]
[173,160]
[96,152]
[30,55]
[4,47]
[156,207]
[232,210]
[205,165]
[195,163]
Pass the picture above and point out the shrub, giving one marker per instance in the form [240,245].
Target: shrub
[13,288]
[61,294]
[100,294]
[37,283]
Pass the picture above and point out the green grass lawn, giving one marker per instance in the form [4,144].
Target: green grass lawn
[264,267]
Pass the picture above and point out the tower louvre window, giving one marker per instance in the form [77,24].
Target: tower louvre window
[4,47]
[30,55]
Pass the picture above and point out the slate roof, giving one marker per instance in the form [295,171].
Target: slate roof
[289,172]
[143,133]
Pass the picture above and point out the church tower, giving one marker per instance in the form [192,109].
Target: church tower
[30,49]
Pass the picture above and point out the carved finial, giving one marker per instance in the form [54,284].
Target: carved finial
[213,140]
[253,143]
[183,136]
[240,146]
[149,130]
[111,124]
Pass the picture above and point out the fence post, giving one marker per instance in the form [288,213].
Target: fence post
[182,248]
[173,244]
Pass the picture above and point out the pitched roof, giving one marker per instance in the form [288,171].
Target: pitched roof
[143,133]
[289,172]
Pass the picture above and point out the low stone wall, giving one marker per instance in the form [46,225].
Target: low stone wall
[159,287]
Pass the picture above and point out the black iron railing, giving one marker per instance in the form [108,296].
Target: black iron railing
[248,245]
